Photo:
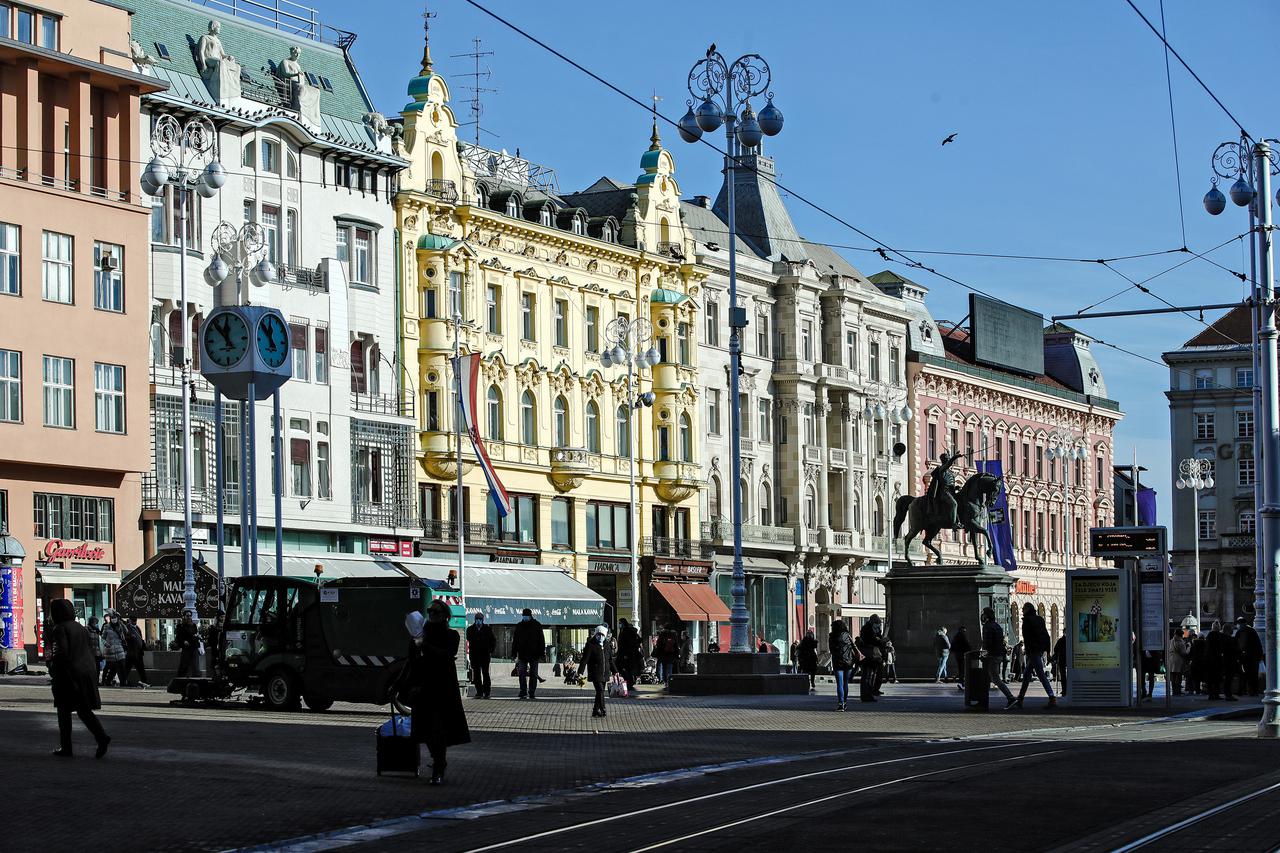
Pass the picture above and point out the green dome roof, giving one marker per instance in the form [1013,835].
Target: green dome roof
[419,86]
[434,242]
[663,296]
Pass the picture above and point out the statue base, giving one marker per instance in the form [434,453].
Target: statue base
[739,673]
[921,599]
[223,80]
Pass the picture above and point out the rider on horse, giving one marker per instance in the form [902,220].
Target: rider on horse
[942,491]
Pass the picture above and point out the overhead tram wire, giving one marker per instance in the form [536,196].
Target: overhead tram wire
[1173,126]
[907,261]
[1182,263]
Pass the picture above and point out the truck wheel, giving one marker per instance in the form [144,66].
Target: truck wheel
[317,703]
[280,690]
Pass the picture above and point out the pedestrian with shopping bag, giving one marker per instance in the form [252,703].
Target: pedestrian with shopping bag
[598,666]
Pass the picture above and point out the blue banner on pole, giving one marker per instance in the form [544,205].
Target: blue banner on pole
[1146,507]
[999,529]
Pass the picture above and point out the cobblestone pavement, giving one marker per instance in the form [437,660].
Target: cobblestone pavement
[212,778]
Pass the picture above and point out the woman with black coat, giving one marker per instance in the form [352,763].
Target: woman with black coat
[74,674]
[842,657]
[597,665]
[431,686]
[872,645]
[807,658]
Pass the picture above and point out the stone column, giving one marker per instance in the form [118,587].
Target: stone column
[81,132]
[820,409]
[847,428]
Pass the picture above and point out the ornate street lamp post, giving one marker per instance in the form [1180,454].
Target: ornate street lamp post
[1068,446]
[185,158]
[626,341]
[1195,474]
[886,405]
[722,90]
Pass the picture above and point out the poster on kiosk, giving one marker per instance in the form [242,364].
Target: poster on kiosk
[1099,638]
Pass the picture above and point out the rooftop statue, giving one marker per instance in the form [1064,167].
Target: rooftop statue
[209,52]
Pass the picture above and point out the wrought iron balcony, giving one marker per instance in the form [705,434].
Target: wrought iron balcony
[721,531]
[438,530]
[442,189]
[1236,540]
[663,546]
[671,249]
[302,277]
[383,404]
[167,497]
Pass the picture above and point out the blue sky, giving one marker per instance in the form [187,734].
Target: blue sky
[1063,145]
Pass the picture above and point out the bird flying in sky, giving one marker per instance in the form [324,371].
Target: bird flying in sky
[951,138]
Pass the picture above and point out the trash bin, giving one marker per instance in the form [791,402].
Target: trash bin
[977,686]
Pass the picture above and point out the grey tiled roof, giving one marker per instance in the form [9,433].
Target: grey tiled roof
[762,218]
[706,227]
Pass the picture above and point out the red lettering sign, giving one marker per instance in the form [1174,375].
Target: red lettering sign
[56,549]
[1024,588]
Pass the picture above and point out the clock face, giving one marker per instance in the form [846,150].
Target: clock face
[273,340]
[226,339]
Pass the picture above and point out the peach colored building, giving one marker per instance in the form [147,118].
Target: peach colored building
[74,304]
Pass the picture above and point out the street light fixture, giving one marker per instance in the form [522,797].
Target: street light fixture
[1196,475]
[185,158]
[886,403]
[1068,446]
[628,338]
[724,89]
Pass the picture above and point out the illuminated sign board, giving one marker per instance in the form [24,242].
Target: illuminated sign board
[1127,541]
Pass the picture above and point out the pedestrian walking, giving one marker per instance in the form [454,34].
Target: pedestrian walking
[1019,651]
[1060,663]
[1231,671]
[686,653]
[1197,662]
[807,658]
[188,640]
[74,677]
[960,648]
[95,642]
[113,650]
[598,665]
[135,648]
[994,653]
[795,658]
[630,659]
[1150,668]
[872,647]
[666,648]
[431,686]
[840,642]
[941,651]
[890,671]
[480,645]
[1035,645]
[1214,646]
[529,646]
[215,646]
[1251,656]
[1176,661]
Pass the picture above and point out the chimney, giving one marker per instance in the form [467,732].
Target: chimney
[702,201]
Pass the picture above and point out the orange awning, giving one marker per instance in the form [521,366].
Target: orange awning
[701,595]
[680,602]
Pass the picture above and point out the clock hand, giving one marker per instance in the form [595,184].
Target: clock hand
[224,330]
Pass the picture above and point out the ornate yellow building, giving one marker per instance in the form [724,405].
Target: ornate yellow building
[536,277]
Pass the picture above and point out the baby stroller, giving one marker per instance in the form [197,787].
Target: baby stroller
[569,668]
[649,671]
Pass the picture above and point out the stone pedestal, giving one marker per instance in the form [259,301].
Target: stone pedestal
[921,599]
[743,673]
[223,80]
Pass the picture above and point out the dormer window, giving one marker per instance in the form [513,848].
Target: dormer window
[579,226]
[482,195]
[544,217]
[511,206]
[607,234]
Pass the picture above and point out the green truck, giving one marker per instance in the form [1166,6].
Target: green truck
[295,639]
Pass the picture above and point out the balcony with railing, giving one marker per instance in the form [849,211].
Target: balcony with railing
[570,466]
[170,375]
[671,249]
[677,481]
[302,278]
[720,532]
[443,189]
[838,457]
[439,530]
[812,453]
[1237,540]
[383,404]
[167,497]
[834,373]
[689,549]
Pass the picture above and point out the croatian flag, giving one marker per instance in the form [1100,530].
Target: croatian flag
[468,367]
[1001,533]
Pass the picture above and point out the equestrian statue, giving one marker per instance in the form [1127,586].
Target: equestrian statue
[945,507]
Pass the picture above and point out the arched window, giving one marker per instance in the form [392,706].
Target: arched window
[744,490]
[579,225]
[877,524]
[713,498]
[560,413]
[493,406]
[544,217]
[437,166]
[593,427]
[622,432]
[512,210]
[766,506]
[664,230]
[686,439]
[482,195]
[359,381]
[810,508]
[528,420]
[606,232]
[855,511]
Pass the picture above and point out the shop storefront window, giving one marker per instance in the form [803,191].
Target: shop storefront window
[766,611]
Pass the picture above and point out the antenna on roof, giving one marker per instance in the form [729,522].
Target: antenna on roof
[477,109]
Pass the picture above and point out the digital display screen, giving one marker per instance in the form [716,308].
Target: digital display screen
[1006,336]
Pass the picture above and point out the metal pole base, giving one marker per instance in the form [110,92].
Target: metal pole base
[1269,725]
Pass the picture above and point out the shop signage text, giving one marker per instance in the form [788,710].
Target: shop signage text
[1024,588]
[56,549]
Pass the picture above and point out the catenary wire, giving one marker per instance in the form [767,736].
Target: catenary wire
[1173,126]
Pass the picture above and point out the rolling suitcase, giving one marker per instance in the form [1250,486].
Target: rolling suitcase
[397,750]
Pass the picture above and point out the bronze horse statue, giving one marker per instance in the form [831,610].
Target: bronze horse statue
[974,500]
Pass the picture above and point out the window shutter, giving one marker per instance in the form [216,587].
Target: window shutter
[298,336]
[299,451]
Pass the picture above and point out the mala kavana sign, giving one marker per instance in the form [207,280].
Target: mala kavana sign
[155,591]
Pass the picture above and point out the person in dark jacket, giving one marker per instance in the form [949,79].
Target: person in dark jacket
[113,649]
[993,654]
[807,658]
[597,665]
[960,647]
[1251,656]
[1197,664]
[1035,644]
[95,641]
[1230,665]
[1214,646]
[1060,663]
[942,652]
[630,661]
[431,684]
[528,645]
[842,657]
[74,677]
[188,639]
[480,645]
[871,645]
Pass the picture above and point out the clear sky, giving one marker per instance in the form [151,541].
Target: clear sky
[1063,142]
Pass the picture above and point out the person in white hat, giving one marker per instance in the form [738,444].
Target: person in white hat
[598,666]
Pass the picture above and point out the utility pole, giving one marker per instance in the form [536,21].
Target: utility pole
[1269,725]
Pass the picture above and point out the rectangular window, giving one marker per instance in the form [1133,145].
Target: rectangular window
[713,411]
[5,12]
[342,246]
[362,259]
[931,444]
[248,211]
[528,316]
[432,412]
[682,342]
[766,420]
[1244,377]
[59,392]
[1244,471]
[324,489]
[108,397]
[968,446]
[561,523]
[1204,379]
[429,303]
[1208,524]
[593,329]
[26,28]
[322,355]
[895,364]
[1248,523]
[455,294]
[744,409]
[298,334]
[1244,424]
[762,334]
[873,365]
[73,517]
[806,340]
[10,256]
[300,466]
[270,157]
[57,267]
[108,276]
[664,443]
[493,309]
[1204,426]
[608,526]
[271,225]
[10,386]
[291,237]
[1026,460]
[713,324]
[851,351]
[1039,464]
[560,322]
[1099,473]
[521,524]
[954,445]
[49,32]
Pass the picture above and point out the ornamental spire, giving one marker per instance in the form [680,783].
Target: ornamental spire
[655,141]
[426,41]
